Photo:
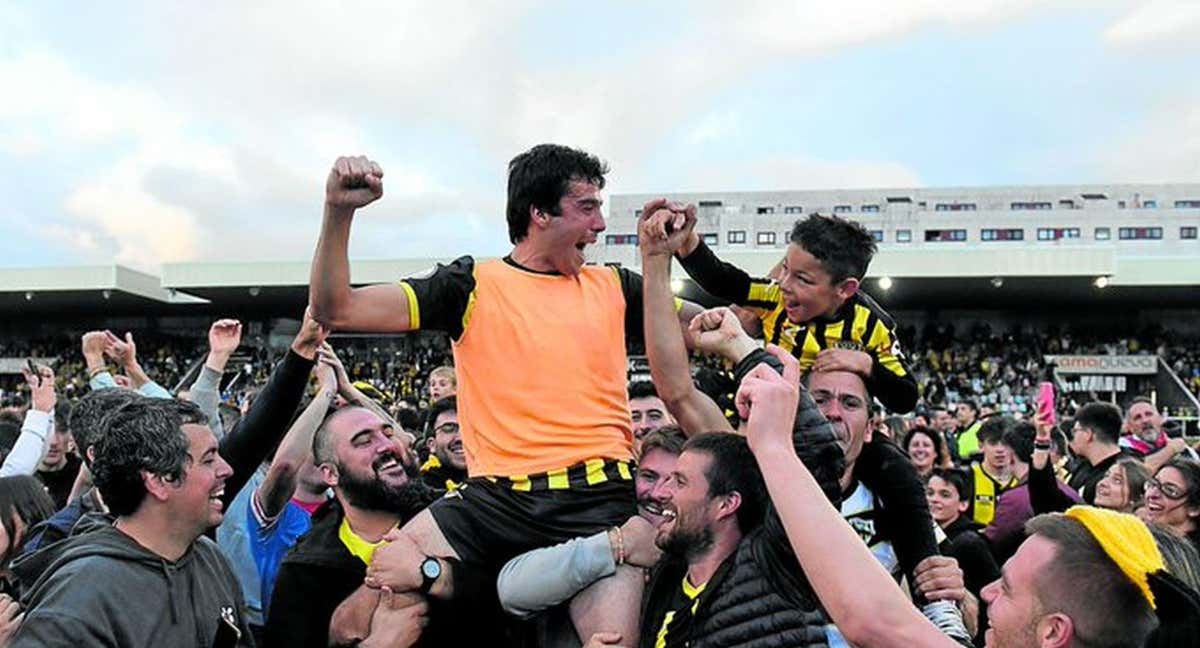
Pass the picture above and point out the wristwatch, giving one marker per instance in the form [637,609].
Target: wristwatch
[431,570]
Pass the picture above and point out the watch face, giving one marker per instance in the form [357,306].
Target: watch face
[431,568]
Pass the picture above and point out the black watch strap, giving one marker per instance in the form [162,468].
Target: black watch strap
[431,570]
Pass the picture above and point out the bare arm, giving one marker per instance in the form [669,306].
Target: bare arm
[352,183]
[1156,460]
[124,352]
[665,345]
[353,394]
[351,621]
[860,597]
[295,448]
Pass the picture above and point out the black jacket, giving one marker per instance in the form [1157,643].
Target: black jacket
[759,596]
[966,544]
[319,573]
[315,577]
[902,515]
[251,440]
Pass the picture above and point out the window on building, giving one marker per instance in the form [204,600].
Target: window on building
[709,239]
[1139,233]
[793,209]
[1120,204]
[1103,234]
[945,235]
[1017,206]
[899,199]
[1187,204]
[870,209]
[1187,232]
[877,235]
[1002,235]
[736,236]
[1067,203]
[766,238]
[709,203]
[1094,196]
[903,236]
[1056,233]
[841,209]
[954,207]
[1149,204]
[766,210]
[620,239]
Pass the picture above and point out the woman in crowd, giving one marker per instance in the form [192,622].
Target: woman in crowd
[926,450]
[1123,486]
[23,503]
[1173,499]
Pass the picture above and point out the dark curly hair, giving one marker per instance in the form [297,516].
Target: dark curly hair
[541,176]
[87,417]
[142,435]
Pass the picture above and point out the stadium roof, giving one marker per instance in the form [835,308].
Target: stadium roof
[955,278]
[79,287]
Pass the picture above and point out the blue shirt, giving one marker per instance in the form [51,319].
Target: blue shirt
[233,537]
[271,539]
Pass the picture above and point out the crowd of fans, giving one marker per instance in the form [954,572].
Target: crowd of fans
[1000,371]
[517,488]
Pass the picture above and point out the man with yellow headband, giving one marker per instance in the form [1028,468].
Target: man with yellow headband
[1081,579]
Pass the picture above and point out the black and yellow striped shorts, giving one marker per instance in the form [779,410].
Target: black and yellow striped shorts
[489,520]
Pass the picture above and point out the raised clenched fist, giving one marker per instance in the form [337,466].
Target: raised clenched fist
[353,182]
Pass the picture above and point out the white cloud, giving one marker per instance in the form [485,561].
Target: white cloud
[795,172]
[1165,147]
[214,139]
[714,127]
[146,230]
[805,27]
[1160,22]
[21,143]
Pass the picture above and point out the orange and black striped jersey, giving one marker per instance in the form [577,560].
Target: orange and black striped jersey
[860,324]
[540,359]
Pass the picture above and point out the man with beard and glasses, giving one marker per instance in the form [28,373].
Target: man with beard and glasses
[446,467]
[373,474]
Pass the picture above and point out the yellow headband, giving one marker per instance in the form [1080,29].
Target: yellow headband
[371,390]
[1127,542]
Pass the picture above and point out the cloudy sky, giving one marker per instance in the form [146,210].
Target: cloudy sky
[154,132]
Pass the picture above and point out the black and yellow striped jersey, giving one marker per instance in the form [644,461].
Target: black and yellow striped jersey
[861,324]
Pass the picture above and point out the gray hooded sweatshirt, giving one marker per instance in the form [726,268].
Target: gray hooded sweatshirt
[102,588]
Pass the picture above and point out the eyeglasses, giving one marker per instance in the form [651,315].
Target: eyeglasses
[1168,490]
